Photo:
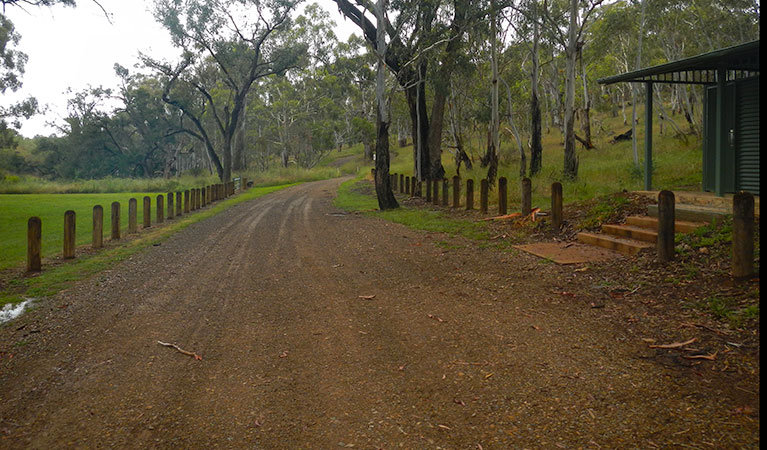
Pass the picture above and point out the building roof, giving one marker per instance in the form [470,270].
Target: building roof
[739,61]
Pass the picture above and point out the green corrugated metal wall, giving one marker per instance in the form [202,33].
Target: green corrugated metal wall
[748,136]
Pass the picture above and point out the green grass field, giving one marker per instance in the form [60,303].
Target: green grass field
[15,211]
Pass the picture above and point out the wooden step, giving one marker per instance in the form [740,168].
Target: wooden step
[692,213]
[622,245]
[631,232]
[681,226]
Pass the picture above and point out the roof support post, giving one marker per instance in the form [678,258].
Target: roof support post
[719,132]
[648,138]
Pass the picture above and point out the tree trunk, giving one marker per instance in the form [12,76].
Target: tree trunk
[571,159]
[536,145]
[586,118]
[416,100]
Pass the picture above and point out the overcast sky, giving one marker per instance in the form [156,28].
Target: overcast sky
[78,47]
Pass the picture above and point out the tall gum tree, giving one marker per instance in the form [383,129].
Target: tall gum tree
[414,38]
[227,45]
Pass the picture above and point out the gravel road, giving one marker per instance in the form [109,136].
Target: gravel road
[321,330]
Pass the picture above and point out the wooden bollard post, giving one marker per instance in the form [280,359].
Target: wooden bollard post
[413,181]
[393,182]
[244,185]
[556,206]
[115,221]
[193,199]
[179,206]
[444,191]
[428,190]
[742,235]
[198,198]
[435,194]
[186,202]
[456,191]
[132,216]
[160,208]
[483,191]
[203,196]
[407,185]
[401,183]
[147,212]
[666,222]
[419,188]
[503,192]
[171,208]
[527,196]
[98,227]
[469,194]
[34,244]
[70,235]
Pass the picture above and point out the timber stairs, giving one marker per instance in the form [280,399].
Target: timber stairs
[639,233]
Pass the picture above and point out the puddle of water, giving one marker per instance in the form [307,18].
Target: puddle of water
[14,310]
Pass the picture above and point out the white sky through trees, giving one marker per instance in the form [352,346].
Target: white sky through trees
[78,47]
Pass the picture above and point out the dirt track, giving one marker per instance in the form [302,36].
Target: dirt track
[460,348]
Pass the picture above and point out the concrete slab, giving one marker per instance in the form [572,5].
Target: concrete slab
[569,252]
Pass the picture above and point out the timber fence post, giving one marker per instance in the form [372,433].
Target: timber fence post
[456,191]
[666,223]
[427,182]
[171,206]
[742,235]
[483,191]
[527,197]
[132,215]
[469,194]
[407,185]
[186,201]
[502,196]
[115,221]
[178,204]
[147,212]
[34,244]
[70,234]
[401,183]
[160,208]
[444,191]
[556,206]
[435,194]
[98,227]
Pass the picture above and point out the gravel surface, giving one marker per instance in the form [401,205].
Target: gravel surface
[319,329]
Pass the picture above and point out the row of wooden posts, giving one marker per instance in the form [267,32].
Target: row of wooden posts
[412,186]
[178,203]
[742,209]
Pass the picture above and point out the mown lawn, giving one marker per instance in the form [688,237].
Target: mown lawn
[16,209]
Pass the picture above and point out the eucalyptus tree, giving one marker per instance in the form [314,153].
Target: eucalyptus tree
[226,46]
[421,31]
[567,23]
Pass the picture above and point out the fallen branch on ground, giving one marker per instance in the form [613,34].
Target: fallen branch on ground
[675,344]
[181,350]
[710,357]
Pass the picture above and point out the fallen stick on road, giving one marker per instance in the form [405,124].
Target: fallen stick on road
[181,350]
[675,344]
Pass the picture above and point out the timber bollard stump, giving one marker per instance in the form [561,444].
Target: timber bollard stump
[147,212]
[407,185]
[160,209]
[203,195]
[132,216]
[401,183]
[115,221]
[34,244]
[456,191]
[527,196]
[435,193]
[178,204]
[469,194]
[186,202]
[428,190]
[70,235]
[556,206]
[171,208]
[444,191]
[98,227]
[742,235]
[503,205]
[666,224]
[484,187]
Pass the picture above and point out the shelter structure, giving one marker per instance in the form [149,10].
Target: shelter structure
[730,77]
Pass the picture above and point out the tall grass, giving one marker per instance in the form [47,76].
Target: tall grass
[12,184]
